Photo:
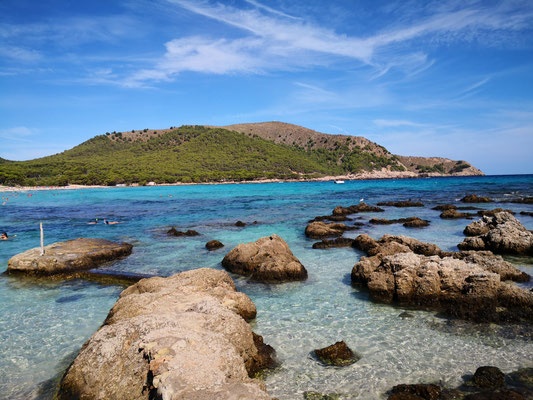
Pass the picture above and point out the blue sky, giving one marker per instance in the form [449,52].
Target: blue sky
[433,78]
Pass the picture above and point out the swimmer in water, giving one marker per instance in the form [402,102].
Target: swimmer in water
[3,236]
[93,222]
[111,222]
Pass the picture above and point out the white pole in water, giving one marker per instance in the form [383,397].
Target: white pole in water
[42,240]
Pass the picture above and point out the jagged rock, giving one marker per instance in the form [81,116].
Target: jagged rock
[452,213]
[444,207]
[319,229]
[337,242]
[489,378]
[356,208]
[269,259]
[168,338]
[334,218]
[411,222]
[461,284]
[474,198]
[213,245]
[338,354]
[65,257]
[503,234]
[416,391]
[240,224]
[526,213]
[174,232]
[493,212]
[404,203]
[492,263]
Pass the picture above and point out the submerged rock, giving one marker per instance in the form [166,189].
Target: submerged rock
[64,257]
[337,242]
[182,337]
[213,245]
[528,213]
[269,259]
[404,203]
[321,396]
[411,222]
[319,229]
[338,354]
[414,392]
[174,232]
[474,198]
[501,233]
[334,218]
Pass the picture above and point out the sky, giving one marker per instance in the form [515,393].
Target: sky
[426,78]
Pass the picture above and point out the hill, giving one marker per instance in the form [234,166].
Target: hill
[269,150]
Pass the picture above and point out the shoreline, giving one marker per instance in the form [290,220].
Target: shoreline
[351,177]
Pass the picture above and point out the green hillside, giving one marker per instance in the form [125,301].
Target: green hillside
[189,154]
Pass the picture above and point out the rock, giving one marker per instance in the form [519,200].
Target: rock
[213,245]
[489,378]
[356,208]
[320,396]
[181,337]
[493,263]
[319,229]
[404,203]
[474,198]
[338,354]
[174,232]
[444,207]
[65,257]
[459,288]
[269,259]
[501,233]
[405,314]
[337,242]
[530,214]
[420,391]
[454,214]
[498,395]
[389,245]
[334,218]
[493,212]
[526,200]
[240,224]
[411,222]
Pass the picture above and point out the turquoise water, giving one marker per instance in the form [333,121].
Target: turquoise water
[43,324]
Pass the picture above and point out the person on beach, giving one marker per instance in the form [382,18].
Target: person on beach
[112,222]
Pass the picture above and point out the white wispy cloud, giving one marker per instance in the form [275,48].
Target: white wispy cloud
[18,133]
[274,40]
[396,123]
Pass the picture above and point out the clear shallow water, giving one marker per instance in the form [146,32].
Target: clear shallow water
[43,324]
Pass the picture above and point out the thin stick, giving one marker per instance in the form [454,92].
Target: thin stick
[42,239]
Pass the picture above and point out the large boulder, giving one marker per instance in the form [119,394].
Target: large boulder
[501,233]
[269,259]
[182,337]
[70,256]
[319,229]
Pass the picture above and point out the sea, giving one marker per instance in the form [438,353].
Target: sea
[44,323]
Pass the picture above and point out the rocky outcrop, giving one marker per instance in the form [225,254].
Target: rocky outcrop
[493,212]
[444,207]
[240,224]
[356,208]
[489,378]
[65,257]
[411,222]
[182,337]
[403,203]
[501,233]
[269,259]
[474,198]
[338,354]
[462,284]
[525,200]
[415,392]
[213,245]
[452,213]
[319,229]
[528,213]
[174,232]
[337,242]
[334,218]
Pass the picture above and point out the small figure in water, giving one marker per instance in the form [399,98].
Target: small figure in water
[93,222]
[112,222]
[3,236]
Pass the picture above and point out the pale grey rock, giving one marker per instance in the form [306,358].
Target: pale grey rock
[72,255]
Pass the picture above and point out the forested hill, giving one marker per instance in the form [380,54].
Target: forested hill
[201,154]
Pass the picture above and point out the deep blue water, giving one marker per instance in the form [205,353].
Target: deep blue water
[43,324]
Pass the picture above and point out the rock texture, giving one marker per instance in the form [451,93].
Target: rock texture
[269,259]
[462,284]
[501,233]
[474,198]
[64,257]
[337,242]
[452,213]
[489,378]
[411,222]
[356,208]
[213,245]
[182,337]
[338,354]
[174,232]
[319,229]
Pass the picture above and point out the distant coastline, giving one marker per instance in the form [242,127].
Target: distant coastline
[351,177]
